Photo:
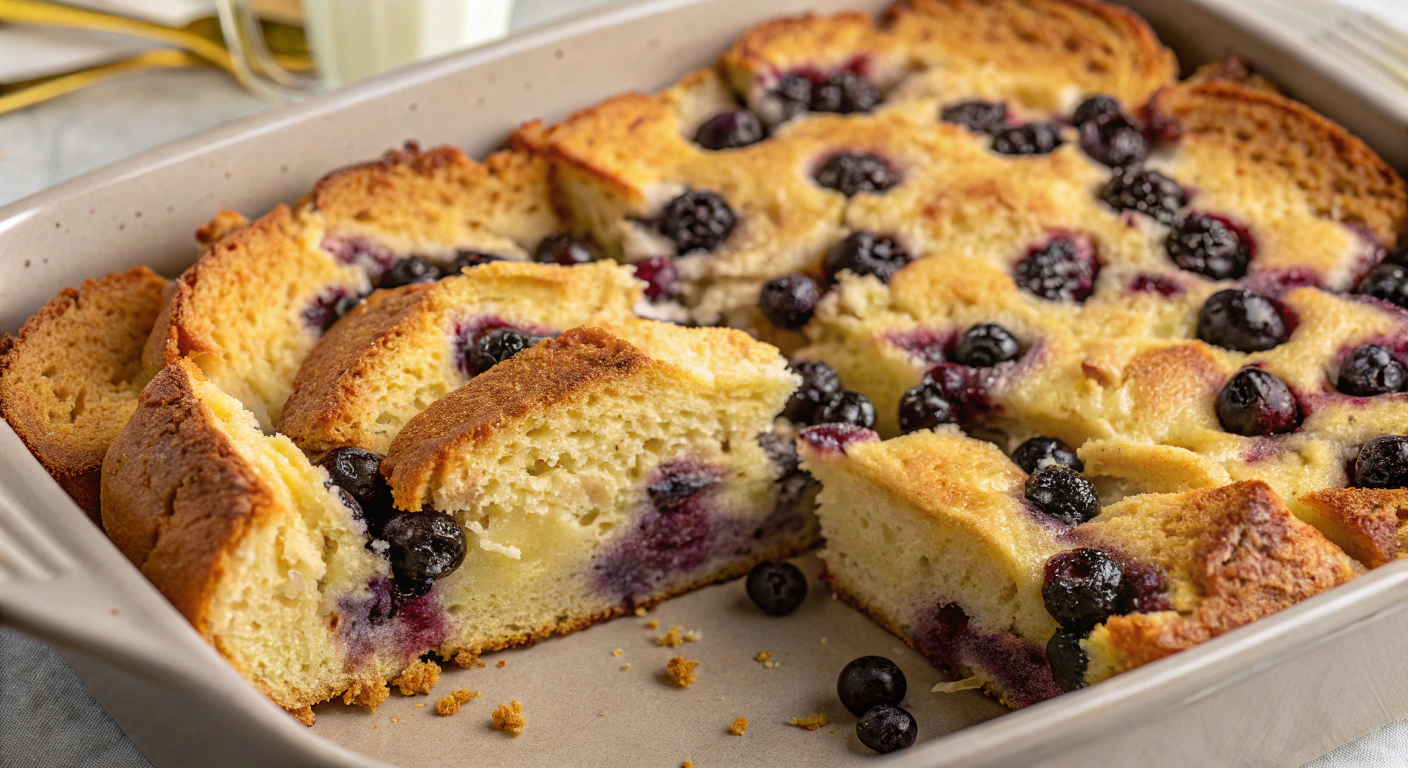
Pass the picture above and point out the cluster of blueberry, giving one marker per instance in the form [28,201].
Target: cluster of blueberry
[870,687]
[821,400]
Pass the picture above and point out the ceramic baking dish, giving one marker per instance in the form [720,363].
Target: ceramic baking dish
[1279,692]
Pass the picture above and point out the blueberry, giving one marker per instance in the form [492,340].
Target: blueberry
[1388,282]
[1239,320]
[886,729]
[1067,659]
[978,116]
[677,485]
[820,385]
[1209,246]
[1094,107]
[794,95]
[358,472]
[1148,192]
[1082,588]
[868,682]
[698,220]
[1028,139]
[1398,256]
[730,130]
[848,407]
[985,345]
[497,346]
[424,545]
[563,249]
[1061,270]
[788,301]
[412,269]
[1371,370]
[1114,141]
[1063,493]
[466,258]
[776,588]
[1382,463]
[844,93]
[661,276]
[866,253]
[345,304]
[1041,452]
[852,173]
[925,406]
[782,452]
[1255,402]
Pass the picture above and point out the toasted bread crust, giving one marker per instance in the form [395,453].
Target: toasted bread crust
[69,379]
[1368,523]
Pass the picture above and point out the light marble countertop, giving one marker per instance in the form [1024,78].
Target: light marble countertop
[47,718]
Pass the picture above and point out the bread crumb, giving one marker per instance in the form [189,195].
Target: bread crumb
[671,638]
[811,722]
[503,662]
[652,624]
[420,706]
[769,664]
[304,715]
[601,714]
[395,719]
[966,684]
[449,705]
[693,636]
[640,610]
[682,671]
[509,718]
[740,724]
[823,641]
[480,664]
[366,694]
[688,764]
[762,656]
[466,659]
[419,678]
[625,666]
[617,652]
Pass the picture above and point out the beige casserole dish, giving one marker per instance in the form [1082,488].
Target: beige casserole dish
[1280,692]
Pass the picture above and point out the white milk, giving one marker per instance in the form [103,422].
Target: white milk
[353,39]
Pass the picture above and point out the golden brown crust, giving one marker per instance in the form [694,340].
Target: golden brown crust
[533,381]
[176,496]
[225,223]
[1370,524]
[70,379]
[1341,177]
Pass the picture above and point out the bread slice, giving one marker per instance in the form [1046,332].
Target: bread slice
[931,536]
[404,348]
[69,379]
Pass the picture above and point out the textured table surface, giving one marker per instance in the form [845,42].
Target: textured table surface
[47,717]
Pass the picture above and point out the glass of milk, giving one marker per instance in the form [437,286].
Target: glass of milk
[353,39]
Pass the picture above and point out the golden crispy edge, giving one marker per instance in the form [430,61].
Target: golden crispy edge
[1367,523]
[1343,178]
[176,496]
[76,471]
[533,381]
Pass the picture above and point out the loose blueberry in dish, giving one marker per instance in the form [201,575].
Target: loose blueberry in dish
[788,301]
[869,682]
[1371,370]
[698,220]
[1061,270]
[776,588]
[1382,463]
[848,407]
[844,93]
[866,253]
[424,545]
[1067,659]
[412,269]
[495,347]
[1041,452]
[1028,139]
[358,473]
[925,406]
[987,117]
[563,249]
[730,130]
[1209,246]
[1255,402]
[1148,192]
[887,728]
[1242,321]
[1388,282]
[1113,140]
[661,276]
[985,345]
[1063,493]
[852,173]
[820,385]
[1082,588]
[1093,107]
